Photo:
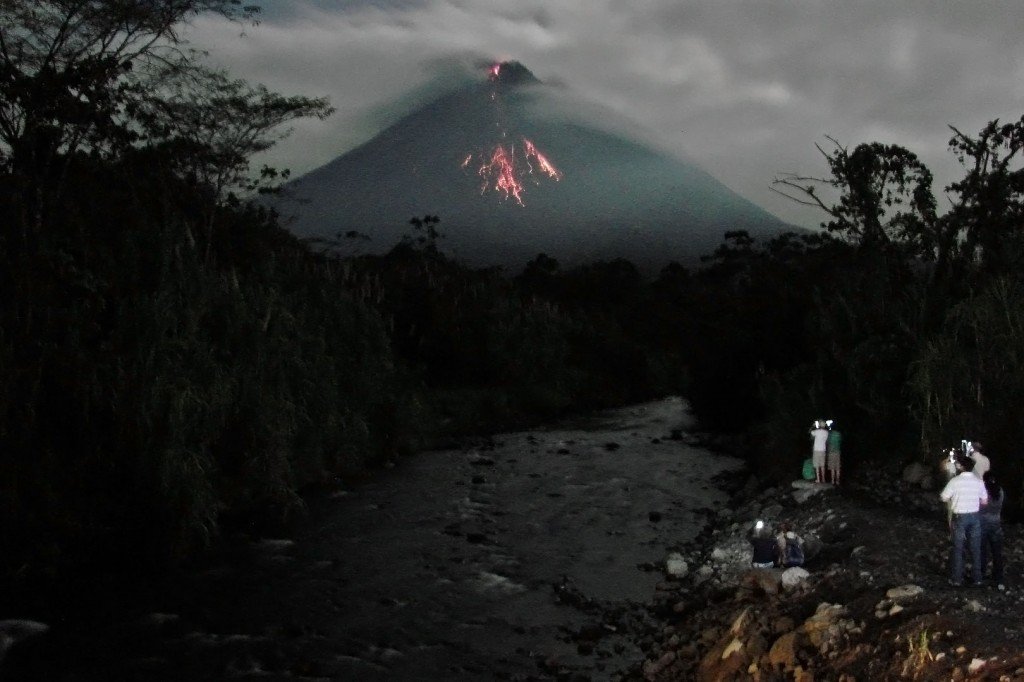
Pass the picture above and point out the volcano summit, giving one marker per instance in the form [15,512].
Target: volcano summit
[515,167]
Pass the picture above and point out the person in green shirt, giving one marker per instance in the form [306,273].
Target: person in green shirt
[833,452]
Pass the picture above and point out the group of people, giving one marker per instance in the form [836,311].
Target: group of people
[783,547]
[826,445]
[974,502]
[972,494]
[773,549]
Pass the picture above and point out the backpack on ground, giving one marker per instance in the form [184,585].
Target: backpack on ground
[808,472]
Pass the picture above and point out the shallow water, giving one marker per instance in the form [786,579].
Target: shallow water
[525,557]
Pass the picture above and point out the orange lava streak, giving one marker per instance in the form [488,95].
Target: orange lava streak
[542,161]
[501,171]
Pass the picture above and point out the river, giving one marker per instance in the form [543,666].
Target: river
[528,556]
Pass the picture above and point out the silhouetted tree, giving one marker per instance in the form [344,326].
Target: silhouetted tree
[988,215]
[426,232]
[885,197]
[102,76]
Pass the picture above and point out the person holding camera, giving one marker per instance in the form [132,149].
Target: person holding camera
[833,446]
[948,465]
[819,438]
[981,462]
[966,495]
[949,470]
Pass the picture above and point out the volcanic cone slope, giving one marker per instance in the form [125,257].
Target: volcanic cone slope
[514,168]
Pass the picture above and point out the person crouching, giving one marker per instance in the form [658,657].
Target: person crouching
[766,550]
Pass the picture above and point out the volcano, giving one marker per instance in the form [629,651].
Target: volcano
[514,167]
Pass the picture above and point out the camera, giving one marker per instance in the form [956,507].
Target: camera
[759,524]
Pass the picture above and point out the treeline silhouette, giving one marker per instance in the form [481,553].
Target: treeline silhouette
[173,359]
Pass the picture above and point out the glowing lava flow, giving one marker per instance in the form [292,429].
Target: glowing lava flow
[500,170]
[503,171]
[542,161]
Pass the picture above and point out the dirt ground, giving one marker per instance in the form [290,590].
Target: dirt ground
[845,620]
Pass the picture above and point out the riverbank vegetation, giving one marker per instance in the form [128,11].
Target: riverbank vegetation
[172,358]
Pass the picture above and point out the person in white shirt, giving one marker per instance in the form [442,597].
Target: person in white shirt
[819,434]
[981,463]
[965,494]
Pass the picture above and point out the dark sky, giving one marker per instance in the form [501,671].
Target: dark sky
[745,89]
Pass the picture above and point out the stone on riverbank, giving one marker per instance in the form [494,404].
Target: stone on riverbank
[675,565]
[792,577]
[903,592]
[13,631]
[873,605]
[805,490]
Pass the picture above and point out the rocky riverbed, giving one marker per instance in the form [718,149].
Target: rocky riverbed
[530,555]
[613,548]
[872,601]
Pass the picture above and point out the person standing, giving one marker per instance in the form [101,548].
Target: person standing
[948,466]
[833,447]
[981,462]
[966,495]
[992,529]
[949,469]
[819,436]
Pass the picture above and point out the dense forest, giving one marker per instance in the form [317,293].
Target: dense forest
[172,358]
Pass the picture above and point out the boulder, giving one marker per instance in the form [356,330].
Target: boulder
[782,625]
[783,653]
[903,592]
[914,473]
[764,580]
[801,675]
[675,565]
[274,544]
[812,546]
[653,668]
[736,649]
[13,631]
[793,576]
[826,626]
[805,490]
[740,622]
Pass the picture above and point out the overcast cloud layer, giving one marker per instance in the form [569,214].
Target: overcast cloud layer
[745,89]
